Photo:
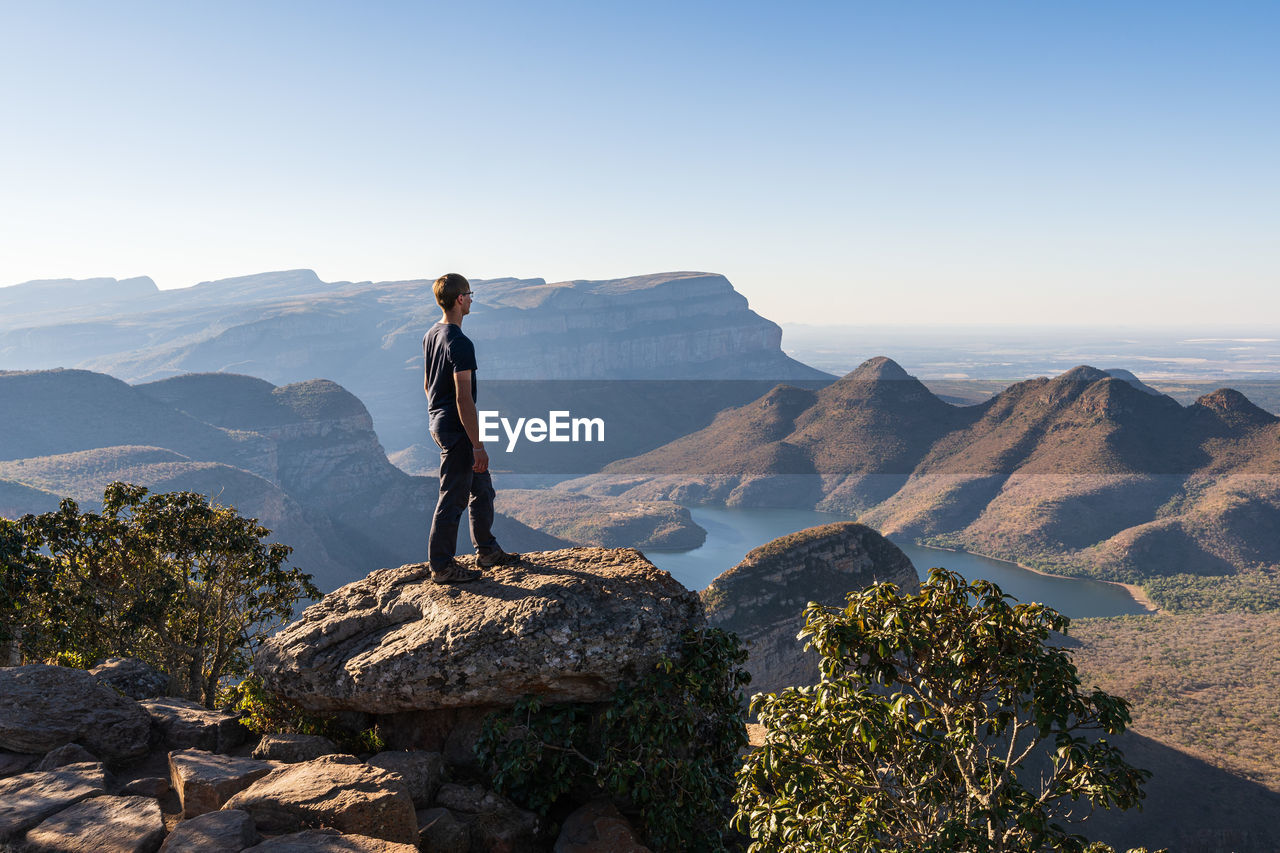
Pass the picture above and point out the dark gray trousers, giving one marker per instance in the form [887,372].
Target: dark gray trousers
[460,489]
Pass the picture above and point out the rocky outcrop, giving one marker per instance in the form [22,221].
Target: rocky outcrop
[565,625]
[763,598]
[45,707]
[573,624]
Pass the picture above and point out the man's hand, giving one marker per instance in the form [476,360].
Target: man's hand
[482,460]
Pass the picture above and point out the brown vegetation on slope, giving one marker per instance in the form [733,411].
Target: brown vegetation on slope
[1203,683]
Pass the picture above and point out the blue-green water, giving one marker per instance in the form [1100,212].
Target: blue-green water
[731,533]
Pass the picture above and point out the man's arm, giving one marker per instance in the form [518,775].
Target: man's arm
[470,420]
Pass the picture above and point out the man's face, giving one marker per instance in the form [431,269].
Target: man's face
[464,299]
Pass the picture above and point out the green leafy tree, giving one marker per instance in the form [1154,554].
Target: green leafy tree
[943,722]
[184,584]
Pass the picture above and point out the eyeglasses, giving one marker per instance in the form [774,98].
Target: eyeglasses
[467,293]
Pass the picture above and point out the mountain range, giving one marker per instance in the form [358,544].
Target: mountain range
[290,326]
[302,458]
[1085,473]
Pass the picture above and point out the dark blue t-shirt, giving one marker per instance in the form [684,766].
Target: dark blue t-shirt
[446,351]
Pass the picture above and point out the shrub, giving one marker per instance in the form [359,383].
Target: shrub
[930,708]
[186,585]
[665,746]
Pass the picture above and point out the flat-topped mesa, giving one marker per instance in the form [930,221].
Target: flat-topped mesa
[568,625]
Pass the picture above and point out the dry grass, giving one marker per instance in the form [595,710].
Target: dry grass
[1203,683]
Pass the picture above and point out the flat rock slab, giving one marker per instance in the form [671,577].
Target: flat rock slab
[205,780]
[329,841]
[27,799]
[189,725]
[565,625]
[335,791]
[45,707]
[215,832]
[101,825]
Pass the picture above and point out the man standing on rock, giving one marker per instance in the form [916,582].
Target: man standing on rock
[450,367]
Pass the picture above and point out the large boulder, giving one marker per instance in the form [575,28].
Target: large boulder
[334,791]
[762,599]
[189,725]
[132,677]
[204,780]
[565,625]
[45,707]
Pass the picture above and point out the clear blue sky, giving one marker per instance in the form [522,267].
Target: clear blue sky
[841,162]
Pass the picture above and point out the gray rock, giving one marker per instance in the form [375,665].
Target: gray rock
[45,707]
[291,749]
[72,753]
[29,798]
[423,772]
[189,725]
[148,786]
[329,841]
[204,780]
[440,832]
[598,827]
[132,677]
[216,832]
[566,625]
[336,791]
[12,763]
[101,825]
[495,823]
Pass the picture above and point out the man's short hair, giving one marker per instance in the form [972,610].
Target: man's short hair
[447,289]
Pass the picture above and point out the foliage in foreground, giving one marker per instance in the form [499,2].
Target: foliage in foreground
[665,746]
[185,585]
[264,712]
[943,722]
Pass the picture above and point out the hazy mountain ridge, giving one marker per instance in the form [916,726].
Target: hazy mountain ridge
[302,458]
[290,326]
[1085,472]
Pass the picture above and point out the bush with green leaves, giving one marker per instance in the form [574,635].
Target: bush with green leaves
[184,584]
[943,721]
[665,747]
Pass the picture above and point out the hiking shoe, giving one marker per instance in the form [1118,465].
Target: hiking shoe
[453,573]
[497,558]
